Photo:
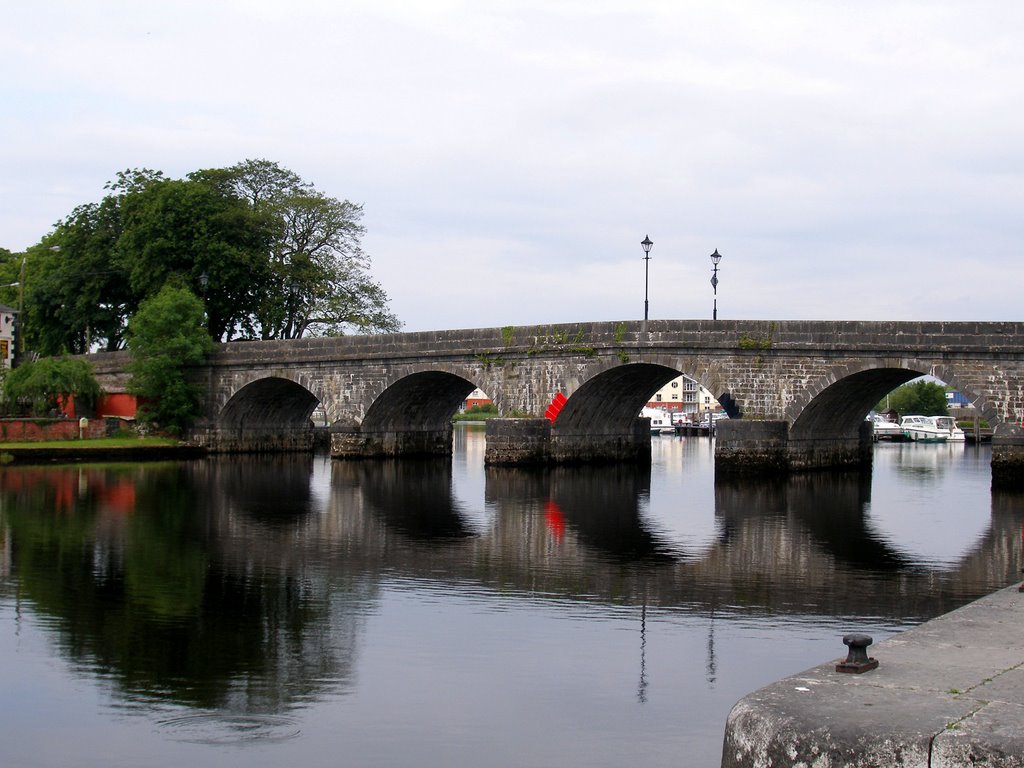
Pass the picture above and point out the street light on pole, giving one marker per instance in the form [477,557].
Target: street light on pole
[715,258]
[646,244]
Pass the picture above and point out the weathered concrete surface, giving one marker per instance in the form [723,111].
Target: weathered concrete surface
[947,693]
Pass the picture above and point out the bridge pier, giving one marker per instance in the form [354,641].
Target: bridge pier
[517,441]
[355,443]
[536,441]
[761,446]
[1008,457]
[254,440]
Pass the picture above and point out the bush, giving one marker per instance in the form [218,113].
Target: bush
[166,336]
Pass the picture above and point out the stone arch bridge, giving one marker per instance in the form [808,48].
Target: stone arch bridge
[797,391]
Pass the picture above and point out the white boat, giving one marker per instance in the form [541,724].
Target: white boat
[885,429]
[930,429]
[661,421]
[956,435]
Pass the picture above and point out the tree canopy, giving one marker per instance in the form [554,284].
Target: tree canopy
[270,256]
[921,397]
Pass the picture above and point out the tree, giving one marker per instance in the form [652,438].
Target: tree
[76,289]
[320,283]
[270,255]
[167,336]
[921,397]
[45,384]
[189,229]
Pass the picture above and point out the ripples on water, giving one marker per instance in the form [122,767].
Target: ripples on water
[302,611]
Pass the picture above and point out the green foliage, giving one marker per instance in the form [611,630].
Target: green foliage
[750,342]
[477,413]
[561,340]
[508,335]
[42,384]
[319,283]
[280,260]
[488,358]
[76,289]
[922,398]
[181,230]
[166,336]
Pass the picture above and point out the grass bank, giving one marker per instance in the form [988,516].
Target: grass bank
[97,449]
[99,442]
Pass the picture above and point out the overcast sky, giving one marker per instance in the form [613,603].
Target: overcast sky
[849,160]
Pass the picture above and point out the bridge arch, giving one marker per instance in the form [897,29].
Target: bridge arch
[613,392]
[408,414]
[419,401]
[270,413]
[836,405]
[609,401]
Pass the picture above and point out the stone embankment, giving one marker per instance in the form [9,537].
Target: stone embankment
[947,693]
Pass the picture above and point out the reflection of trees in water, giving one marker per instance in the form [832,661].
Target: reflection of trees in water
[143,595]
[228,583]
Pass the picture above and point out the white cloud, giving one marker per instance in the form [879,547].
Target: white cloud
[511,155]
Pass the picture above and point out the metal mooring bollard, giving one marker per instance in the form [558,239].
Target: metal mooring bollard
[857,660]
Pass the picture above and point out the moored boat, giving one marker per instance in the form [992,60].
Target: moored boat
[956,435]
[926,429]
[885,429]
[661,421]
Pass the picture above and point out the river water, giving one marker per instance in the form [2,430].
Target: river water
[299,611]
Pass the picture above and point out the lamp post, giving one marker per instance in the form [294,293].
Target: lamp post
[646,244]
[715,258]
[21,303]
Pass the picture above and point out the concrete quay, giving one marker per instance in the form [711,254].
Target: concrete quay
[949,692]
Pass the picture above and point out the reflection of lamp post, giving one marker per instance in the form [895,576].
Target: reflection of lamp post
[646,244]
[715,258]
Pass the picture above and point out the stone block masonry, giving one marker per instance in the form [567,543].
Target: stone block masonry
[815,381]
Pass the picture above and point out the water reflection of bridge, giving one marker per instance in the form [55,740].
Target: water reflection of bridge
[798,545]
[265,569]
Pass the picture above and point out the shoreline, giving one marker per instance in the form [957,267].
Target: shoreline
[949,692]
[27,454]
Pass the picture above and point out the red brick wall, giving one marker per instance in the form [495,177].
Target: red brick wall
[111,404]
[38,430]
